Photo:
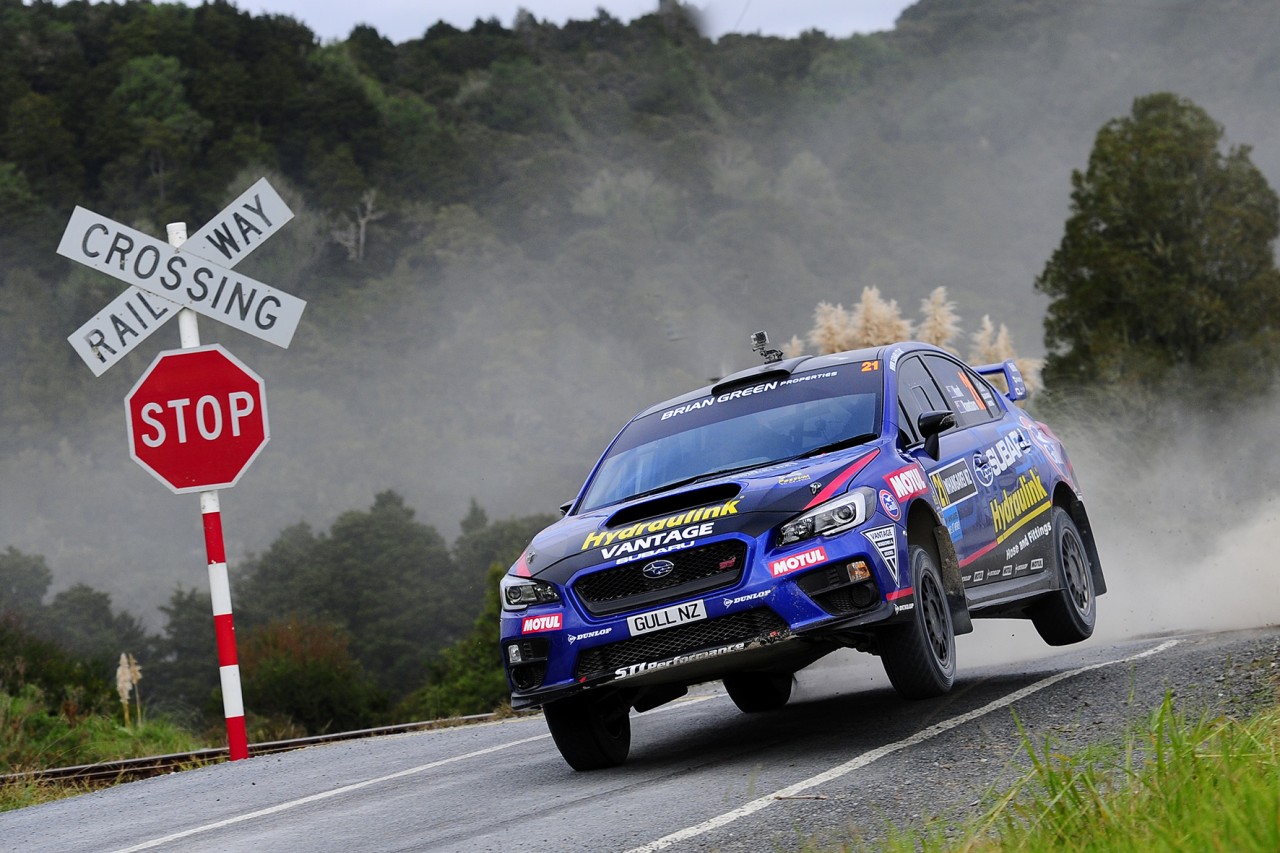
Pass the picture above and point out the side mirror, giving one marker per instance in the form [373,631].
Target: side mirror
[930,424]
[566,506]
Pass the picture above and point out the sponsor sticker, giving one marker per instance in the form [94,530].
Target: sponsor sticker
[755,596]
[885,540]
[786,565]
[890,505]
[998,458]
[907,482]
[587,635]
[656,620]
[640,668]
[652,534]
[549,622]
[952,483]
[1013,509]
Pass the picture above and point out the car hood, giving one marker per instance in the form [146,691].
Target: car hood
[749,502]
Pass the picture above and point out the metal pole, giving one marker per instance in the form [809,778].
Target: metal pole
[215,552]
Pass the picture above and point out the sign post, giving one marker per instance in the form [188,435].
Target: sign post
[197,417]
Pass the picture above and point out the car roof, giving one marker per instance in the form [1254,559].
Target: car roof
[786,367]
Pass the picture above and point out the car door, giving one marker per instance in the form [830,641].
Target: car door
[952,479]
[1011,497]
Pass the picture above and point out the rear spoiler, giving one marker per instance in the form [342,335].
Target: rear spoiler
[1012,378]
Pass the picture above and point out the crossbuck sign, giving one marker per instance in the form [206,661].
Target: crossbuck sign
[164,279]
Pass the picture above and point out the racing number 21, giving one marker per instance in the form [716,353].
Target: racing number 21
[869,366]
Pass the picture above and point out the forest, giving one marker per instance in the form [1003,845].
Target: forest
[510,239]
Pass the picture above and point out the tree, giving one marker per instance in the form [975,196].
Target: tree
[24,580]
[302,668]
[1167,258]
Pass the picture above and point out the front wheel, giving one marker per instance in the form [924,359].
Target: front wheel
[920,656]
[1068,614]
[592,732]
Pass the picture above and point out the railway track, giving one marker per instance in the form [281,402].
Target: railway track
[130,769]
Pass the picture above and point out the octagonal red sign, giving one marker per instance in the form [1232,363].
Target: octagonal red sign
[197,418]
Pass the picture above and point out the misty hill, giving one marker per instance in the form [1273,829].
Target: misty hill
[513,238]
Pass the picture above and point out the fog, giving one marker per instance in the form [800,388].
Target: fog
[489,405]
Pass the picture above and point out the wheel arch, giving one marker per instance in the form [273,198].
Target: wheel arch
[1068,500]
[924,529]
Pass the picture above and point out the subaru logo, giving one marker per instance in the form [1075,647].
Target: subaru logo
[657,569]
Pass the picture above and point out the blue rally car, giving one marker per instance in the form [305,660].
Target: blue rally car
[878,500]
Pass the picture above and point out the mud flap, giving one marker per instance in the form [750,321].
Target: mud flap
[961,623]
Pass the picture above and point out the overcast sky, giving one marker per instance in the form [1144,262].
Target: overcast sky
[401,20]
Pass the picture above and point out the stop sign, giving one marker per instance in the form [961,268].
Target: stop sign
[197,418]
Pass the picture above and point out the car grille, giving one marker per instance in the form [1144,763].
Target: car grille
[696,570]
[681,639]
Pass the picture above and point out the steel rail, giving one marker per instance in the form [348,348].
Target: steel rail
[130,769]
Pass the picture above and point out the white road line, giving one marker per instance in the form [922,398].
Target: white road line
[324,795]
[876,754]
[177,836]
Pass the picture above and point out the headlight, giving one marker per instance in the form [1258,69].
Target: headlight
[518,593]
[835,516]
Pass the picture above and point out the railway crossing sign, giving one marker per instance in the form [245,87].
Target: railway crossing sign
[198,275]
[197,417]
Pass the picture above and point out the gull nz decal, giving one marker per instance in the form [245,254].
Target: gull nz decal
[885,539]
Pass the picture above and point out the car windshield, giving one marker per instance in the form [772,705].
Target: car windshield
[745,427]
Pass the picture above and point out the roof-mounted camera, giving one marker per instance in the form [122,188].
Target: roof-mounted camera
[760,343]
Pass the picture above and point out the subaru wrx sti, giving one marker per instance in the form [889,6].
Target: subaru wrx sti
[879,500]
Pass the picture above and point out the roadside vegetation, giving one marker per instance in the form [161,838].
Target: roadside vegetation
[1176,782]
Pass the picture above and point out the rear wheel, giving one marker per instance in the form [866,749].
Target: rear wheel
[591,731]
[758,691]
[1068,614]
[920,656]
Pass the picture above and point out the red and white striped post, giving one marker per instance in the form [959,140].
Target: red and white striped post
[215,552]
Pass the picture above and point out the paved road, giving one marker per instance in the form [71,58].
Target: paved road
[846,755]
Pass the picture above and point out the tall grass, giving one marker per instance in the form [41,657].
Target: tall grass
[32,737]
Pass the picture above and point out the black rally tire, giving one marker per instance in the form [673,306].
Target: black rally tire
[591,731]
[1068,614]
[758,691]
[920,656]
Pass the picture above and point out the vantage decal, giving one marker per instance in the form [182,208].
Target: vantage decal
[952,483]
[907,482]
[706,513]
[658,543]
[1012,510]
[885,540]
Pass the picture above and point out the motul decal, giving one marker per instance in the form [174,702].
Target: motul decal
[907,482]
[812,557]
[550,622]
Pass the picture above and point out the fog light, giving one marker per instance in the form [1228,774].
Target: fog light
[858,571]
[513,653]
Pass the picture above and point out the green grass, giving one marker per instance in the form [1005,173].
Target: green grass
[32,737]
[1177,783]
